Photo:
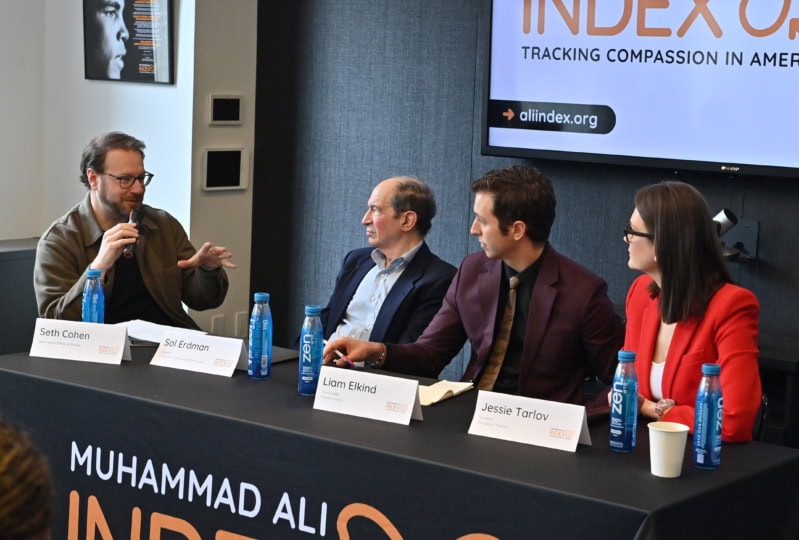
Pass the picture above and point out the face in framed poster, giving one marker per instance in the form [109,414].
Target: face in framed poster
[128,40]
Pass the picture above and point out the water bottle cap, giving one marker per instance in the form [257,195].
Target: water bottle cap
[313,310]
[711,369]
[93,273]
[261,297]
[626,356]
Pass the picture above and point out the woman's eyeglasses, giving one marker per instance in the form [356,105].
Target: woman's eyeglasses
[630,233]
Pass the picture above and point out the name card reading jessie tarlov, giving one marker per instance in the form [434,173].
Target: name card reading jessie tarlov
[530,421]
[522,412]
[368,395]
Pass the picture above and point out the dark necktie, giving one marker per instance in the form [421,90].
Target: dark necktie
[491,370]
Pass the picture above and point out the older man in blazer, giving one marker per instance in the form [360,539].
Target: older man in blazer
[563,326]
[389,292]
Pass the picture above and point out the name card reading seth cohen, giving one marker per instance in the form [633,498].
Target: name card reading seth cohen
[368,395]
[72,340]
[530,421]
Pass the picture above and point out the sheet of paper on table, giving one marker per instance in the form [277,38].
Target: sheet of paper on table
[148,333]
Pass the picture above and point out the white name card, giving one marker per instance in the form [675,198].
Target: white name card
[87,342]
[530,421]
[199,352]
[368,395]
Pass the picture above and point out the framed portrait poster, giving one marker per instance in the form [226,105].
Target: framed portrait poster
[128,40]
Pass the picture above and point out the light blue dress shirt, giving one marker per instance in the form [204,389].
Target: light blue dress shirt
[365,305]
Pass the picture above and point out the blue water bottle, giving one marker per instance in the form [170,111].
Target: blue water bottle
[259,365]
[311,346]
[624,404]
[707,421]
[93,298]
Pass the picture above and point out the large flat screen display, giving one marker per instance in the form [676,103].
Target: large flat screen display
[688,84]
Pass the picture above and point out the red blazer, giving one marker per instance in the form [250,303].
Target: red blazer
[571,327]
[726,335]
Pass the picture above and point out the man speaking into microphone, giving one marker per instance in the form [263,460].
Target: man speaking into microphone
[135,217]
[160,269]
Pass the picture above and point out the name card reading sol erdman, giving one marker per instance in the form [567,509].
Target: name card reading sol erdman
[368,395]
[87,342]
[530,421]
[199,352]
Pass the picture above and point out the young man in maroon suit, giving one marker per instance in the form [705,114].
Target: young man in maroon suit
[563,324]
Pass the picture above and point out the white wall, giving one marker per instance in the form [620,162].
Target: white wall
[225,60]
[50,112]
[22,52]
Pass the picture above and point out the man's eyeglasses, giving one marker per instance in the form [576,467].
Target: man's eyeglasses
[630,233]
[126,182]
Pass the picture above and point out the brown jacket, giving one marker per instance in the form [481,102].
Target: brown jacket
[71,243]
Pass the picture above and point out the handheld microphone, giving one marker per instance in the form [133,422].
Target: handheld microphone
[130,249]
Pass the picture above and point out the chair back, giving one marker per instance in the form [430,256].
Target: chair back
[759,427]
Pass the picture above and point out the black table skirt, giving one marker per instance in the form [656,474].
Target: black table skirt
[145,448]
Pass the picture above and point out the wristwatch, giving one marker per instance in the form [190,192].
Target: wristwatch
[374,364]
[662,406]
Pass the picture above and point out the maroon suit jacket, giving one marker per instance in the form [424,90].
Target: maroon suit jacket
[726,335]
[571,326]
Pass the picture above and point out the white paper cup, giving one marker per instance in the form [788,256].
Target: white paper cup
[667,448]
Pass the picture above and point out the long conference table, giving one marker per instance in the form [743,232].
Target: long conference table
[140,451]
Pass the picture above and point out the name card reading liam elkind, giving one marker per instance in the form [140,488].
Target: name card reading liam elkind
[368,395]
[199,352]
[530,421]
[87,342]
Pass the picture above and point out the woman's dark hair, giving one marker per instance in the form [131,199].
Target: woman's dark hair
[687,248]
[26,489]
[520,193]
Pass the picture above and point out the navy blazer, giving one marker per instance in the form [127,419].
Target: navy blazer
[409,306]
[572,328]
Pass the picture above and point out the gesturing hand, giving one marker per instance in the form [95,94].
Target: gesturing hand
[209,257]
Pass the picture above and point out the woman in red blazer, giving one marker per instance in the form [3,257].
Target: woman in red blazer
[685,311]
